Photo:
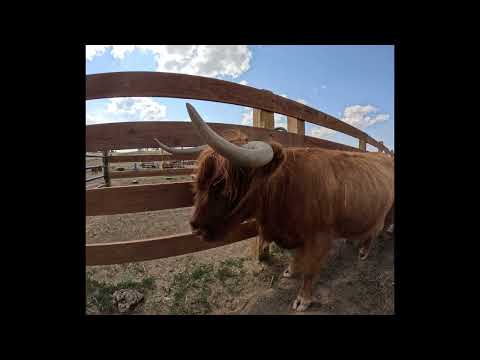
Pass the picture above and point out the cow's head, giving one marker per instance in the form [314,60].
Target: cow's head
[228,179]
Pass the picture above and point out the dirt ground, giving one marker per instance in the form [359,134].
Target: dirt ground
[227,280]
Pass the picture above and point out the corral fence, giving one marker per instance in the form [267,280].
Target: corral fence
[107,200]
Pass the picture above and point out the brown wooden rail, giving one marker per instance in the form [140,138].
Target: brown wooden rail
[158,84]
[140,134]
[148,173]
[147,158]
[138,198]
[162,247]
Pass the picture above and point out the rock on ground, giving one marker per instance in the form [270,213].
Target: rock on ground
[126,299]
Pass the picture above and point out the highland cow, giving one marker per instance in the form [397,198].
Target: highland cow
[301,198]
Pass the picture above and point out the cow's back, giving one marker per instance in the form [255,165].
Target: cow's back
[365,191]
[318,189]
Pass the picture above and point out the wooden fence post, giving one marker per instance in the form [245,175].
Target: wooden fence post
[106,173]
[380,150]
[296,126]
[362,144]
[263,119]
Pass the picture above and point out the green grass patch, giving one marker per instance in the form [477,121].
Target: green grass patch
[99,293]
[193,282]
[229,273]
[190,289]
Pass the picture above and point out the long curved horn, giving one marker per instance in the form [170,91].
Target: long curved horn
[193,150]
[253,154]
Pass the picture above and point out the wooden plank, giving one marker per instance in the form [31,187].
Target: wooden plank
[94,156]
[157,248]
[378,149]
[362,145]
[94,178]
[263,119]
[147,158]
[147,173]
[138,198]
[159,84]
[296,126]
[106,170]
[132,135]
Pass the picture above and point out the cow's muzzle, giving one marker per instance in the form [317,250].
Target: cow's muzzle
[204,234]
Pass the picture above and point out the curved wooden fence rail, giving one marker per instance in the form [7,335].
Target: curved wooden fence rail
[128,135]
[139,134]
[158,84]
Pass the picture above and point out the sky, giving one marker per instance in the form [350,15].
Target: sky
[352,83]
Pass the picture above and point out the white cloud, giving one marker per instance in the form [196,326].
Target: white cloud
[280,120]
[128,109]
[137,108]
[91,119]
[247,116]
[322,132]
[363,116]
[204,60]
[243,82]
[358,116]
[94,50]
[119,51]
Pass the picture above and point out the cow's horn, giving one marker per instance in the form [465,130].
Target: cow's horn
[253,154]
[193,150]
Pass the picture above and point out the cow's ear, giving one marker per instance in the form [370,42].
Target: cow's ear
[277,160]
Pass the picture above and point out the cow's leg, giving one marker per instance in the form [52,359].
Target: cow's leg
[367,239]
[365,248]
[389,218]
[292,270]
[388,226]
[304,297]
[313,257]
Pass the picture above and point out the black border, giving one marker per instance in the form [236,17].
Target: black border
[72,254]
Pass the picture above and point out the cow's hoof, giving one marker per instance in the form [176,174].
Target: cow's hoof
[301,304]
[287,273]
[363,254]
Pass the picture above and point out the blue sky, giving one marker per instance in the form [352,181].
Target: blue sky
[352,83]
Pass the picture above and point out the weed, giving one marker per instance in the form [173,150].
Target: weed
[148,283]
[229,273]
[191,282]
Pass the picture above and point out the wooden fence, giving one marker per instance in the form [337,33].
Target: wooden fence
[129,135]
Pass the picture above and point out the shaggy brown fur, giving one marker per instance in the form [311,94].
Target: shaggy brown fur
[303,199]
